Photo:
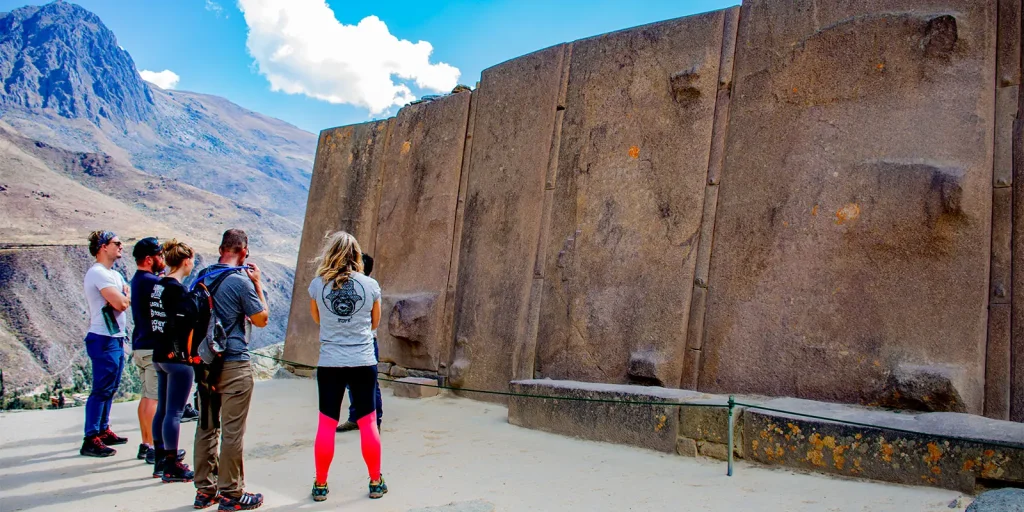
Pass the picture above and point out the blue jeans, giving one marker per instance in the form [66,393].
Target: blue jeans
[376,390]
[107,355]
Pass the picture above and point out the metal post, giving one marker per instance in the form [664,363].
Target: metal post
[732,405]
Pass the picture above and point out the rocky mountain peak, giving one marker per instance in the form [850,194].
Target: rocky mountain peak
[62,57]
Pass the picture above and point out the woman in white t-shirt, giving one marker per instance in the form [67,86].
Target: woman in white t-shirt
[346,304]
[106,293]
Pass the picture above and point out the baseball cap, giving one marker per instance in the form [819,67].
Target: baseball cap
[148,246]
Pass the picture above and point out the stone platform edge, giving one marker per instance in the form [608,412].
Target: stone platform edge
[985,454]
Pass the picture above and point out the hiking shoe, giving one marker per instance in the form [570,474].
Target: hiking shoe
[189,414]
[247,501]
[144,451]
[176,471]
[379,490]
[204,500]
[94,447]
[110,438]
[151,456]
[320,491]
[347,426]
[158,461]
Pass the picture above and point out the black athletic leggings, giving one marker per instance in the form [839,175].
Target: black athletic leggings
[331,382]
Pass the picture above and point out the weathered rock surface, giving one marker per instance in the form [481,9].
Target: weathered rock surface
[1000,500]
[832,231]
[343,195]
[415,387]
[630,180]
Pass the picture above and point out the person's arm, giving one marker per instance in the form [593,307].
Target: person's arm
[314,310]
[261,318]
[116,294]
[375,315]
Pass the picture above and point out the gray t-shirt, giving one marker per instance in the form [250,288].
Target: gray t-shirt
[234,299]
[346,338]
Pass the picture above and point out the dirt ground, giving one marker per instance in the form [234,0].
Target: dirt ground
[437,451]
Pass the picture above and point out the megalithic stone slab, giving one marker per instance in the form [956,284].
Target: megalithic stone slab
[629,195]
[514,114]
[343,195]
[414,229]
[858,175]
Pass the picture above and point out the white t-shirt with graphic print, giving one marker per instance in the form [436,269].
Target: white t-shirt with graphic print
[346,339]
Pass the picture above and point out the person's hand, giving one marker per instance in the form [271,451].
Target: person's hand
[125,291]
[254,273]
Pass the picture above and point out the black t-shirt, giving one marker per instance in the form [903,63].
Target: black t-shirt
[172,319]
[142,291]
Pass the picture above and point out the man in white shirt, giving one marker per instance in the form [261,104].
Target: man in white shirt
[108,297]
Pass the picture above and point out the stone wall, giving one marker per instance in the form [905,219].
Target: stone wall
[811,198]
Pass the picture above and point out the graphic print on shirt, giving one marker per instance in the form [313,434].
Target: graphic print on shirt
[156,307]
[344,301]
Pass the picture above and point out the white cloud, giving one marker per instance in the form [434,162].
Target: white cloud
[165,79]
[215,8]
[302,48]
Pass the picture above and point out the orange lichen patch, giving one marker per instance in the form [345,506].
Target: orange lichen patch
[837,456]
[880,66]
[754,444]
[406,146]
[937,470]
[934,454]
[662,420]
[969,465]
[877,363]
[992,470]
[764,434]
[887,451]
[847,213]
[858,436]
[795,430]
[989,453]
[634,152]
[795,90]
[830,442]
[816,457]
[814,211]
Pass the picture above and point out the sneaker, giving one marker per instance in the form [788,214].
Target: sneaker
[151,456]
[347,426]
[379,490]
[158,467]
[94,447]
[204,500]
[247,501]
[176,471]
[189,414]
[320,491]
[144,451]
[110,438]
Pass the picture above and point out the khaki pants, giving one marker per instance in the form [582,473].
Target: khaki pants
[235,385]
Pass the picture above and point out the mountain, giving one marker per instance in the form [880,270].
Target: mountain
[67,83]
[86,144]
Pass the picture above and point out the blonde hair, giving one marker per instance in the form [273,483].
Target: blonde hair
[339,257]
[175,253]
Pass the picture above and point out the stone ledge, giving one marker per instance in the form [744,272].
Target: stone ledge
[415,387]
[654,426]
[775,438]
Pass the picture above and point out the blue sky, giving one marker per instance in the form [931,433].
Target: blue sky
[207,47]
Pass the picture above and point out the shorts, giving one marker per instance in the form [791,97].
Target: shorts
[143,360]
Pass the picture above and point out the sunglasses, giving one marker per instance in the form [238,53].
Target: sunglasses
[116,242]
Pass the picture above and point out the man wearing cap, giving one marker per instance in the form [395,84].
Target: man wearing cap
[150,262]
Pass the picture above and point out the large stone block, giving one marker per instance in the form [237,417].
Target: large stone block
[514,115]
[628,200]
[858,174]
[415,387]
[343,195]
[948,450]
[653,425]
[415,228]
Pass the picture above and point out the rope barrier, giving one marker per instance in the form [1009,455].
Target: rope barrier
[731,405]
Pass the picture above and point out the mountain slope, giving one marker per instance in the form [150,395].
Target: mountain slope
[67,83]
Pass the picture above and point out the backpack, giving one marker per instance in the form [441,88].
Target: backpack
[207,338]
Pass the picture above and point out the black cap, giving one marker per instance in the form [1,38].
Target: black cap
[148,246]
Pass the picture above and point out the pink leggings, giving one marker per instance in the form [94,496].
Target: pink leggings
[331,383]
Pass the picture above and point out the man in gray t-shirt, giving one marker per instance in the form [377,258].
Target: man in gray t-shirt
[237,299]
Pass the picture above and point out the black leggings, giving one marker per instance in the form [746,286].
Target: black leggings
[331,382]
[174,384]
